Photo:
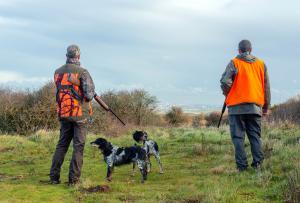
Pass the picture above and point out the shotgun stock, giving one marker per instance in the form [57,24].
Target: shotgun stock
[223,110]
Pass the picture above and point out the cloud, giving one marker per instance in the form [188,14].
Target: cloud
[5,3]
[12,22]
[175,49]
[7,76]
[14,77]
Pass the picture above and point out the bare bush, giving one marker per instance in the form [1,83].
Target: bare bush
[137,107]
[288,111]
[199,121]
[175,116]
[212,118]
[24,112]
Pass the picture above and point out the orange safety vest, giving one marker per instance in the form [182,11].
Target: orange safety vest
[248,85]
[69,96]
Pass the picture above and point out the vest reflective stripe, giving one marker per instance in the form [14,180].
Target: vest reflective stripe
[69,97]
[248,85]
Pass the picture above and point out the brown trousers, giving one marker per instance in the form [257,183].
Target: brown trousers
[69,131]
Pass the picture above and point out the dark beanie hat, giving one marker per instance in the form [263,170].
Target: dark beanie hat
[245,45]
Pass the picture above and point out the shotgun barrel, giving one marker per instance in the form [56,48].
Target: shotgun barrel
[223,110]
[105,106]
[111,111]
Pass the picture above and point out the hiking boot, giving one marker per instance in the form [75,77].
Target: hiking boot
[256,166]
[55,182]
[51,182]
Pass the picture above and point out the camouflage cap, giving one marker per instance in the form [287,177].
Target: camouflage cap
[73,51]
[245,45]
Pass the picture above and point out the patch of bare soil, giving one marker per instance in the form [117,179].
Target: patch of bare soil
[127,199]
[8,177]
[96,189]
[192,201]
[25,162]
[188,200]
[6,149]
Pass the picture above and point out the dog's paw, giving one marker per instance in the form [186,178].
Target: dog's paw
[109,179]
[161,172]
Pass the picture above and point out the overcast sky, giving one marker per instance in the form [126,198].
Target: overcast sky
[175,49]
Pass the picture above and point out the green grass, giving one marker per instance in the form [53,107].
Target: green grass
[199,167]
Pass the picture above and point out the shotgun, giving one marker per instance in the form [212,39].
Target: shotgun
[105,107]
[76,81]
[223,110]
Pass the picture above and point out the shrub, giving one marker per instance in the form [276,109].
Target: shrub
[137,107]
[23,112]
[288,111]
[175,116]
[199,121]
[26,112]
[212,118]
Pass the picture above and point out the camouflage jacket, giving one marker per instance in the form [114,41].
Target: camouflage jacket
[86,84]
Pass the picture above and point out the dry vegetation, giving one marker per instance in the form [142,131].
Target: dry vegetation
[287,112]
[25,112]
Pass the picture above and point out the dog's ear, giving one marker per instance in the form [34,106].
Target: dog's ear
[137,136]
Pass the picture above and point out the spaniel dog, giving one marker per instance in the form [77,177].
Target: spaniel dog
[151,148]
[116,156]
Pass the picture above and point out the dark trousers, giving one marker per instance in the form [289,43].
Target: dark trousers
[69,131]
[251,125]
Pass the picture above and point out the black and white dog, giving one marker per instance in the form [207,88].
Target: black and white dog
[116,156]
[150,146]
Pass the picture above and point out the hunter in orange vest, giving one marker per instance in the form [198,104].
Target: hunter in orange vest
[245,83]
[74,110]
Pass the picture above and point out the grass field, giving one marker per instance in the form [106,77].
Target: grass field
[199,167]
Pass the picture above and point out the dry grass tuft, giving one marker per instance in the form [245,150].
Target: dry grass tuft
[218,169]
